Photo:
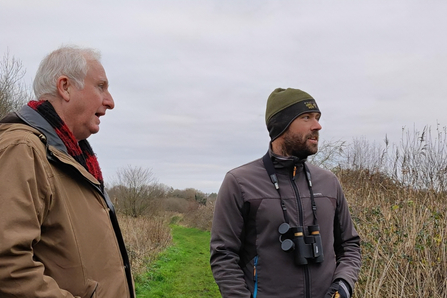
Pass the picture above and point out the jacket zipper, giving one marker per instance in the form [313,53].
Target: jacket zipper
[297,195]
[255,277]
[301,220]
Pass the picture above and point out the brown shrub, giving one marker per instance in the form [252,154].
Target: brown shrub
[145,238]
[201,217]
[173,204]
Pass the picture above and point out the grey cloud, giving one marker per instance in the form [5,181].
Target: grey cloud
[191,78]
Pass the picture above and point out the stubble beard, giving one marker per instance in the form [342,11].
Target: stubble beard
[296,145]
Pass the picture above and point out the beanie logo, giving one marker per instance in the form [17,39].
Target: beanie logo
[311,105]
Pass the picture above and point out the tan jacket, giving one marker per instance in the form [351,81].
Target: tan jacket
[57,234]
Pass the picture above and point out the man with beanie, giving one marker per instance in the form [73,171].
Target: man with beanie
[282,226]
[59,234]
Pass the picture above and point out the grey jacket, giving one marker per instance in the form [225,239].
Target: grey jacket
[246,255]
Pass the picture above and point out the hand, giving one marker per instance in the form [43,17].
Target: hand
[338,289]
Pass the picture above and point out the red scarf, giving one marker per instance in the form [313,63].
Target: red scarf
[80,151]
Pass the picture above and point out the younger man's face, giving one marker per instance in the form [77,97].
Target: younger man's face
[301,137]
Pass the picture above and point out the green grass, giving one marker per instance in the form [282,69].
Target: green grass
[182,271]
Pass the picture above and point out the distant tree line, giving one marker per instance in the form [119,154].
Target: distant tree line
[137,192]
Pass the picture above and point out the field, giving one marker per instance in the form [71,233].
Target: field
[398,203]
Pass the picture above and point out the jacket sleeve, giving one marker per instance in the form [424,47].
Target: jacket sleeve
[346,243]
[25,197]
[227,228]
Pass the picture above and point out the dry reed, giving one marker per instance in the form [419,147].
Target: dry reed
[403,235]
[145,238]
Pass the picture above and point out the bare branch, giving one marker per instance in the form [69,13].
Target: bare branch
[13,92]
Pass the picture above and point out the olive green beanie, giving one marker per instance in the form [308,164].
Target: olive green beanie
[284,106]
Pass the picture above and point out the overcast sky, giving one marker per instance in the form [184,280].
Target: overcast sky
[190,79]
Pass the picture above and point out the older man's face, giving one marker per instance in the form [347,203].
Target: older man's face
[90,103]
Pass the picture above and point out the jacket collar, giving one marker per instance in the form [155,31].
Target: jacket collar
[35,120]
[285,162]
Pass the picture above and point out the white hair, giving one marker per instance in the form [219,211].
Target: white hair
[70,61]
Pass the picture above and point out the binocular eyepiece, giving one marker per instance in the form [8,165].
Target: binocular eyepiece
[305,247]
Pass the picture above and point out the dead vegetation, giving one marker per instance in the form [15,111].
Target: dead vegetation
[397,197]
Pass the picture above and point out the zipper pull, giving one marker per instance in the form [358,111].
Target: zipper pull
[294,172]
[255,265]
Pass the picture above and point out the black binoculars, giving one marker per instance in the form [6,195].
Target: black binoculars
[305,247]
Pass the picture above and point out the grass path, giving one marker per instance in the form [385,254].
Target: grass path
[183,270]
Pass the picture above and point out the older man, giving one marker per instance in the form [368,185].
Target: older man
[59,236]
[282,227]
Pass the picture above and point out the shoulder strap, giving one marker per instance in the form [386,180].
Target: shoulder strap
[270,168]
